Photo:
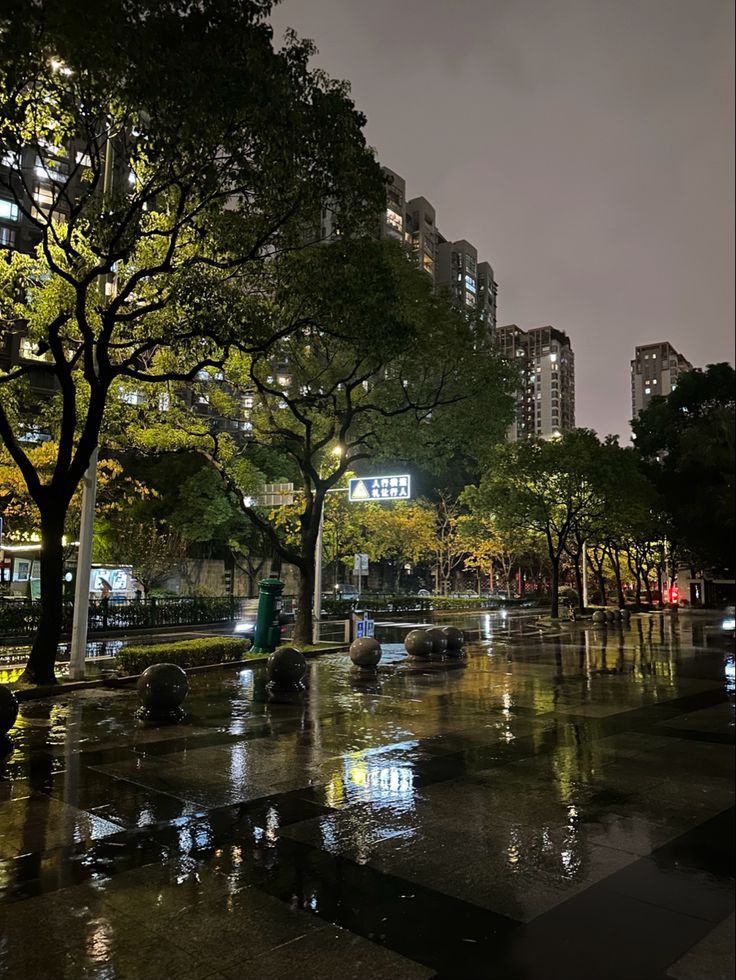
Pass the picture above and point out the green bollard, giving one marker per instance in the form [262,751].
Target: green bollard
[268,628]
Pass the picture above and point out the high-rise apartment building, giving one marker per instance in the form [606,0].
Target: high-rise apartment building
[450,265]
[394,220]
[654,371]
[421,235]
[545,401]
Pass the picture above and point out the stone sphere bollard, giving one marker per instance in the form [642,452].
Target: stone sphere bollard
[438,640]
[455,641]
[365,651]
[286,668]
[624,614]
[599,617]
[418,643]
[162,689]
[611,616]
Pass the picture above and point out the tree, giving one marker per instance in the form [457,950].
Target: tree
[374,365]
[487,545]
[398,534]
[167,200]
[546,488]
[449,542]
[688,441]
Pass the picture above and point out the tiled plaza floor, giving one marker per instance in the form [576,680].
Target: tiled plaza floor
[553,806]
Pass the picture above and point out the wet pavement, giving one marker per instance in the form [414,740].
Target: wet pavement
[560,804]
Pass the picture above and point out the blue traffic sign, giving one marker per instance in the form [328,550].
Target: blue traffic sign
[362,489]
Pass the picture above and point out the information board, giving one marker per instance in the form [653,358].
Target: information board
[364,488]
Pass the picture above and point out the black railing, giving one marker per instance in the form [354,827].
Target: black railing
[20,617]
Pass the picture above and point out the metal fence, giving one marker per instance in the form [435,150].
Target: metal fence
[20,617]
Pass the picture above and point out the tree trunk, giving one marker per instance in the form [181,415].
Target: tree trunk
[555,611]
[616,562]
[602,585]
[303,625]
[303,621]
[579,579]
[40,666]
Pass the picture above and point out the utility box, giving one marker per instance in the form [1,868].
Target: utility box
[268,621]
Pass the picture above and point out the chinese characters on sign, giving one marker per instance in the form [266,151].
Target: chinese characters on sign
[366,488]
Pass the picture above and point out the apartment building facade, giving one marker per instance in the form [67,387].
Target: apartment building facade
[654,371]
[545,400]
[451,265]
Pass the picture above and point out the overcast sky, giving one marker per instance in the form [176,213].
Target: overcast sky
[586,147]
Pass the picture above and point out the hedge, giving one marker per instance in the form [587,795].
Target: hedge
[184,653]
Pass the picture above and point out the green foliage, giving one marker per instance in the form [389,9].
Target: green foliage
[184,653]
[688,440]
[186,157]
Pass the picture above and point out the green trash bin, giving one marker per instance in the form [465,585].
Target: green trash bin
[268,619]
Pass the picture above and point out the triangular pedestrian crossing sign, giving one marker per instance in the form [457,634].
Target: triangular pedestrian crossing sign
[359,491]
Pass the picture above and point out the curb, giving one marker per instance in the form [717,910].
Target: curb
[54,690]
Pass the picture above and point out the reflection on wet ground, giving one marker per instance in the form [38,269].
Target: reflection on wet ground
[557,804]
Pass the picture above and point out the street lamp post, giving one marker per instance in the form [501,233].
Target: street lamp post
[77,654]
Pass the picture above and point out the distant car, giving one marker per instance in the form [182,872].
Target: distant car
[247,627]
[346,591]
[424,593]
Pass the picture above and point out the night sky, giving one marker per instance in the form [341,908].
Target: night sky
[586,147]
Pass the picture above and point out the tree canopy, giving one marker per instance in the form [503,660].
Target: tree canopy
[164,159]
[688,440]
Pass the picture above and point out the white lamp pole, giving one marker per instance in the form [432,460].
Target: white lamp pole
[78,651]
[84,567]
[585,575]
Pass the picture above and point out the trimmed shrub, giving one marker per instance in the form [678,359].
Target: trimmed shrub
[185,653]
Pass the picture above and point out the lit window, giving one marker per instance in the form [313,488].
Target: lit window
[10,158]
[654,357]
[43,198]
[394,220]
[8,210]
[84,160]
[7,237]
[553,358]
[647,391]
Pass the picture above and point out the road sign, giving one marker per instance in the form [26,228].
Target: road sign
[276,495]
[361,489]
[360,564]
[365,627]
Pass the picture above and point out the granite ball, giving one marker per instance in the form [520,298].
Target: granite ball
[418,643]
[611,616]
[455,638]
[599,617]
[438,640]
[365,651]
[8,709]
[286,668]
[162,689]
[624,614]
